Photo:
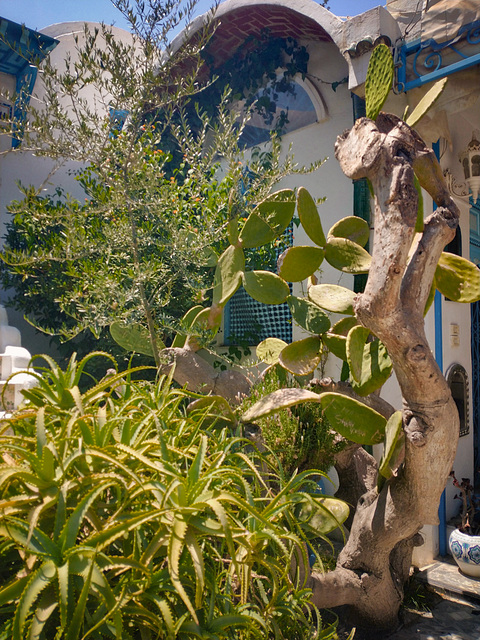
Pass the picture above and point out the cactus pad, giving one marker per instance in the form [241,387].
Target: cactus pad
[426,102]
[308,315]
[376,369]
[394,441]
[379,80]
[355,345]
[353,419]
[228,274]
[302,356]
[332,297]
[353,228]
[308,214]
[297,263]
[133,337]
[281,399]
[457,278]
[186,322]
[347,256]
[269,219]
[265,287]
[268,350]
[321,515]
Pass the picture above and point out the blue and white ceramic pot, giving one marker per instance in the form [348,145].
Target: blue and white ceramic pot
[466,551]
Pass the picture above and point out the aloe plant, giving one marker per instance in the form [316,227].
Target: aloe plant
[121,516]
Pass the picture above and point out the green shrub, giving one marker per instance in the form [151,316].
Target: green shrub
[123,517]
[301,436]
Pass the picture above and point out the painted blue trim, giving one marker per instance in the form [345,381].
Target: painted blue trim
[461,65]
[429,54]
[442,509]
[24,88]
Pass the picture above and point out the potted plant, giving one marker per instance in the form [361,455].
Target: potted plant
[464,541]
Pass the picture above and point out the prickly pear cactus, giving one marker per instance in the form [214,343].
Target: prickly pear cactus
[265,287]
[302,356]
[298,263]
[308,315]
[394,442]
[426,102]
[457,278]
[353,419]
[133,337]
[269,349]
[379,80]
[228,274]
[353,228]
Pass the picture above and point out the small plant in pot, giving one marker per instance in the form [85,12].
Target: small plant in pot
[464,541]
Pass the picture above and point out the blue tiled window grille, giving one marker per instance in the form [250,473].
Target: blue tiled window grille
[248,321]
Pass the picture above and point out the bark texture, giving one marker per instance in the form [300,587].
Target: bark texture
[373,566]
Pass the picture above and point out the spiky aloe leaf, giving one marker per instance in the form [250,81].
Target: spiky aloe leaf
[228,622]
[175,548]
[353,419]
[277,400]
[186,322]
[63,572]
[37,582]
[308,315]
[347,256]
[308,214]
[13,590]
[353,228]
[268,220]
[332,297]
[457,278]
[76,622]
[426,102]
[197,464]
[196,555]
[68,536]
[322,515]
[265,287]
[133,337]
[35,542]
[298,263]
[355,345]
[268,350]
[394,441]
[302,356]
[376,368]
[379,80]
[217,404]
[228,274]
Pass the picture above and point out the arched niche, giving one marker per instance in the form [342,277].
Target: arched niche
[457,380]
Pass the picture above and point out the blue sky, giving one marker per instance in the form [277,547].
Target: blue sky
[37,14]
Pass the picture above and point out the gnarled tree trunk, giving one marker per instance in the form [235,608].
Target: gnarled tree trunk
[373,567]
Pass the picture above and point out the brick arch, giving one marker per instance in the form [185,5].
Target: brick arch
[237,19]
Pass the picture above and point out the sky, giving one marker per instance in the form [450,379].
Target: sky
[37,14]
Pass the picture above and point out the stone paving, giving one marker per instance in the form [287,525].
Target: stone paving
[455,608]
[449,620]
